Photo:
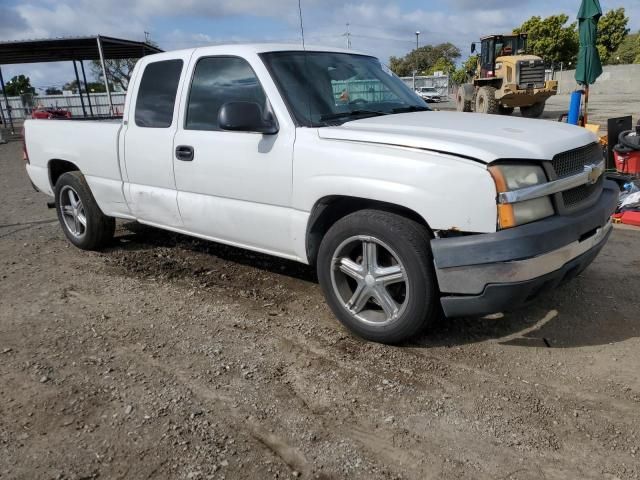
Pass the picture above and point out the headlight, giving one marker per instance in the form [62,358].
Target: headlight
[498,66]
[513,177]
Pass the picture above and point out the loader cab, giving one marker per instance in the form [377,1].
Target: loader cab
[494,46]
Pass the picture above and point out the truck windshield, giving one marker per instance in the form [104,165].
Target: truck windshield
[328,88]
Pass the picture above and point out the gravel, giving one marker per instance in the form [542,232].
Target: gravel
[169,357]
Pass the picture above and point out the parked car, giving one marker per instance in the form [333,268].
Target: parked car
[403,211]
[429,94]
[48,113]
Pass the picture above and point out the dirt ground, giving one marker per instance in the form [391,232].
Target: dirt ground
[168,357]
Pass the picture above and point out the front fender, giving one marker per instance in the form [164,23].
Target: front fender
[446,191]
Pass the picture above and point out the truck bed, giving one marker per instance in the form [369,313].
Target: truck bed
[92,145]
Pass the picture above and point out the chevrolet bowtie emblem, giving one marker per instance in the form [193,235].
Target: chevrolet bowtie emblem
[594,172]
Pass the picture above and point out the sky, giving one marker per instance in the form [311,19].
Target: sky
[378,27]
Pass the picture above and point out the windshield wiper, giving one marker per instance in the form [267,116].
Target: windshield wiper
[353,113]
[411,108]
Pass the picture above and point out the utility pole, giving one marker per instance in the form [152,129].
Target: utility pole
[416,69]
[348,35]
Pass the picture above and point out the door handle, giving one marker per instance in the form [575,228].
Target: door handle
[184,153]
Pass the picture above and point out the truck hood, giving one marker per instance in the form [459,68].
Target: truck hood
[478,136]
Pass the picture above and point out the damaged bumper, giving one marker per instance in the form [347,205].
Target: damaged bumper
[493,272]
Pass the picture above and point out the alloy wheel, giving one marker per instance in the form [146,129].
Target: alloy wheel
[73,212]
[369,280]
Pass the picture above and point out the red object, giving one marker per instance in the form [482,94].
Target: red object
[627,162]
[630,217]
[47,113]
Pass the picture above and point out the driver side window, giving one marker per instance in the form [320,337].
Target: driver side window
[216,81]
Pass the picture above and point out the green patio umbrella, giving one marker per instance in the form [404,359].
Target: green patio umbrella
[589,67]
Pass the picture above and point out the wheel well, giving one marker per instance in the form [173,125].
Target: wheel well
[57,168]
[493,82]
[329,210]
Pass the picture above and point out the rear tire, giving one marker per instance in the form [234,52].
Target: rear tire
[486,100]
[81,219]
[533,111]
[376,271]
[462,105]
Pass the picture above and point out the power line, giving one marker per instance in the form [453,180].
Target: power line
[386,39]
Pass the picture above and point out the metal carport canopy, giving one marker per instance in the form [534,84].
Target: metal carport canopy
[71,48]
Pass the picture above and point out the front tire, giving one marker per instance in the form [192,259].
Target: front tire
[533,111]
[81,219]
[486,100]
[376,271]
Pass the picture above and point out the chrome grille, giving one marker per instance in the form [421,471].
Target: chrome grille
[531,74]
[577,195]
[573,161]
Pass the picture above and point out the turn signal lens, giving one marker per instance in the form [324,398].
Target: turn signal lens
[513,177]
[506,217]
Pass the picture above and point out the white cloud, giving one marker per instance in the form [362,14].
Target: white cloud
[78,18]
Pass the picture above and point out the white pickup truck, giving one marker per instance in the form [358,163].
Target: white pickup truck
[323,156]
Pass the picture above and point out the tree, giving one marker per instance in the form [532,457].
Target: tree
[442,65]
[551,39]
[71,86]
[93,87]
[119,71]
[53,91]
[19,85]
[612,30]
[462,74]
[628,50]
[424,59]
[98,87]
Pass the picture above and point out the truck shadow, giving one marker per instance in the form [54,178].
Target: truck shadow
[590,310]
[132,237]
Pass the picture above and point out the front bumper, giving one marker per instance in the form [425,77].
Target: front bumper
[487,273]
[514,96]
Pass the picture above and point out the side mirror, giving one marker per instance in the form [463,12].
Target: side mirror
[246,117]
[473,47]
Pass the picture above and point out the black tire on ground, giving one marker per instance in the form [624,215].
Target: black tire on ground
[486,100]
[81,219]
[533,111]
[505,110]
[462,105]
[415,296]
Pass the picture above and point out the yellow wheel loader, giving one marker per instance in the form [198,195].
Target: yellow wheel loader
[506,78]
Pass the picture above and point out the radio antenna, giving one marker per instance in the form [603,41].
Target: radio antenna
[301,25]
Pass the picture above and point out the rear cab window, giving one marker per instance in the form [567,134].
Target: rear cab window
[157,92]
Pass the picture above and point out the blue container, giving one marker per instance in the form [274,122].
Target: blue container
[574,108]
